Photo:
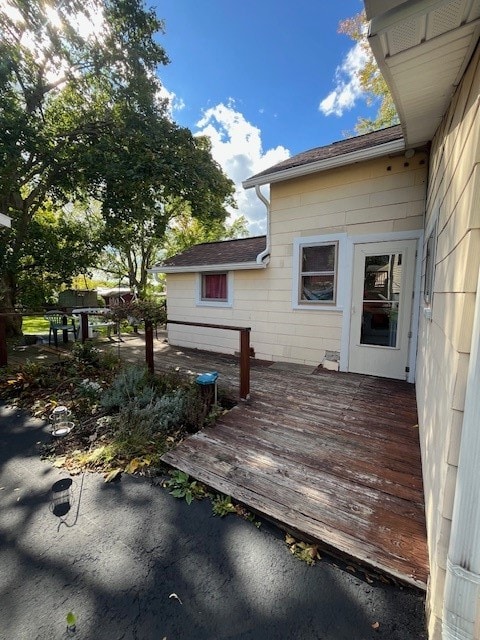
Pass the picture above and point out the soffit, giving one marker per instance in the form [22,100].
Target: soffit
[422,49]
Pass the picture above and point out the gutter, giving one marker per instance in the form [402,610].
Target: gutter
[387,148]
[462,584]
[266,252]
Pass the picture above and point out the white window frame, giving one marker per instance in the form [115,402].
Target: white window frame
[341,275]
[201,302]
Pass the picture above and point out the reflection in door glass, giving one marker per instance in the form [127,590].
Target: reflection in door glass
[381,296]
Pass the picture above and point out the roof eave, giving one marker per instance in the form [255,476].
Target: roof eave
[428,52]
[232,266]
[387,148]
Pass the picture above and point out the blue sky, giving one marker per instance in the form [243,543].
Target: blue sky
[265,80]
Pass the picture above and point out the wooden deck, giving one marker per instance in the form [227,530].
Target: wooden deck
[334,457]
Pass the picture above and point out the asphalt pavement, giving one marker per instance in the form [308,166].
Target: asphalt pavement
[134,563]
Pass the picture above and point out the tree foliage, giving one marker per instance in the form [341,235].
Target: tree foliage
[59,246]
[371,80]
[168,229]
[186,231]
[81,118]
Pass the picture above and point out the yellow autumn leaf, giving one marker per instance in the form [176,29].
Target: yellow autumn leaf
[110,477]
[132,466]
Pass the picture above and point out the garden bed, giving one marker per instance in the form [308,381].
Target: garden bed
[124,419]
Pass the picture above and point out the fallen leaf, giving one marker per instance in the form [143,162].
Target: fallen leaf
[174,595]
[60,461]
[368,578]
[71,619]
[132,466]
[289,539]
[376,625]
[350,568]
[113,475]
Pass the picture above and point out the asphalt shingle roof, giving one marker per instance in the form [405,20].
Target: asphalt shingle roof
[343,147]
[224,252]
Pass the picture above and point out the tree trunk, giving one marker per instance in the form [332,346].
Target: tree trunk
[7,305]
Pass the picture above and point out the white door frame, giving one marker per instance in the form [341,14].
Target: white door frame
[351,241]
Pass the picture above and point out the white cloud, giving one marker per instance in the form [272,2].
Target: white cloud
[347,89]
[237,147]
[174,103]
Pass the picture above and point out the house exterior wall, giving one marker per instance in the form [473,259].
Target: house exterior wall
[453,213]
[376,196]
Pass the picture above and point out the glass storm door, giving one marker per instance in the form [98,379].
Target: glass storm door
[383,275]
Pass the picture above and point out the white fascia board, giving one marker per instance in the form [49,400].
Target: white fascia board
[329,163]
[5,221]
[204,268]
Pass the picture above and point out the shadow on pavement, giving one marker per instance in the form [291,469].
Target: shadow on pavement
[139,564]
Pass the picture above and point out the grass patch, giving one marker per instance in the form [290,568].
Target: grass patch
[35,325]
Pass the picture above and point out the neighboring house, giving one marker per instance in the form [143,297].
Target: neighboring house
[372,259]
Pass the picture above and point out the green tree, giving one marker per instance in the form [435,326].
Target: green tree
[371,80]
[169,229]
[80,117]
[59,246]
[186,231]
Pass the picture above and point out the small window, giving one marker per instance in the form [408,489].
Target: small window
[430,266]
[318,267]
[214,287]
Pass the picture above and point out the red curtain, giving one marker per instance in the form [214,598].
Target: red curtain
[215,286]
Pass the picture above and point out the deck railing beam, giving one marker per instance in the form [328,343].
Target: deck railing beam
[244,350]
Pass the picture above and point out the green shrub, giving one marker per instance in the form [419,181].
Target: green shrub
[132,384]
[161,415]
[86,353]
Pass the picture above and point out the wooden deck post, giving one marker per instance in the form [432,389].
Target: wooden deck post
[3,342]
[149,345]
[244,364]
[84,326]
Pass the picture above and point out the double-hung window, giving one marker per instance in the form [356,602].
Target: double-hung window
[320,270]
[318,273]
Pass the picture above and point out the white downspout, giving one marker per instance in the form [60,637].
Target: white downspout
[266,252]
[461,606]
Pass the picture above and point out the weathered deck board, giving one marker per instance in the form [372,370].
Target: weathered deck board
[333,456]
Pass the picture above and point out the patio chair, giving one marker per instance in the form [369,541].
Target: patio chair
[60,321]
